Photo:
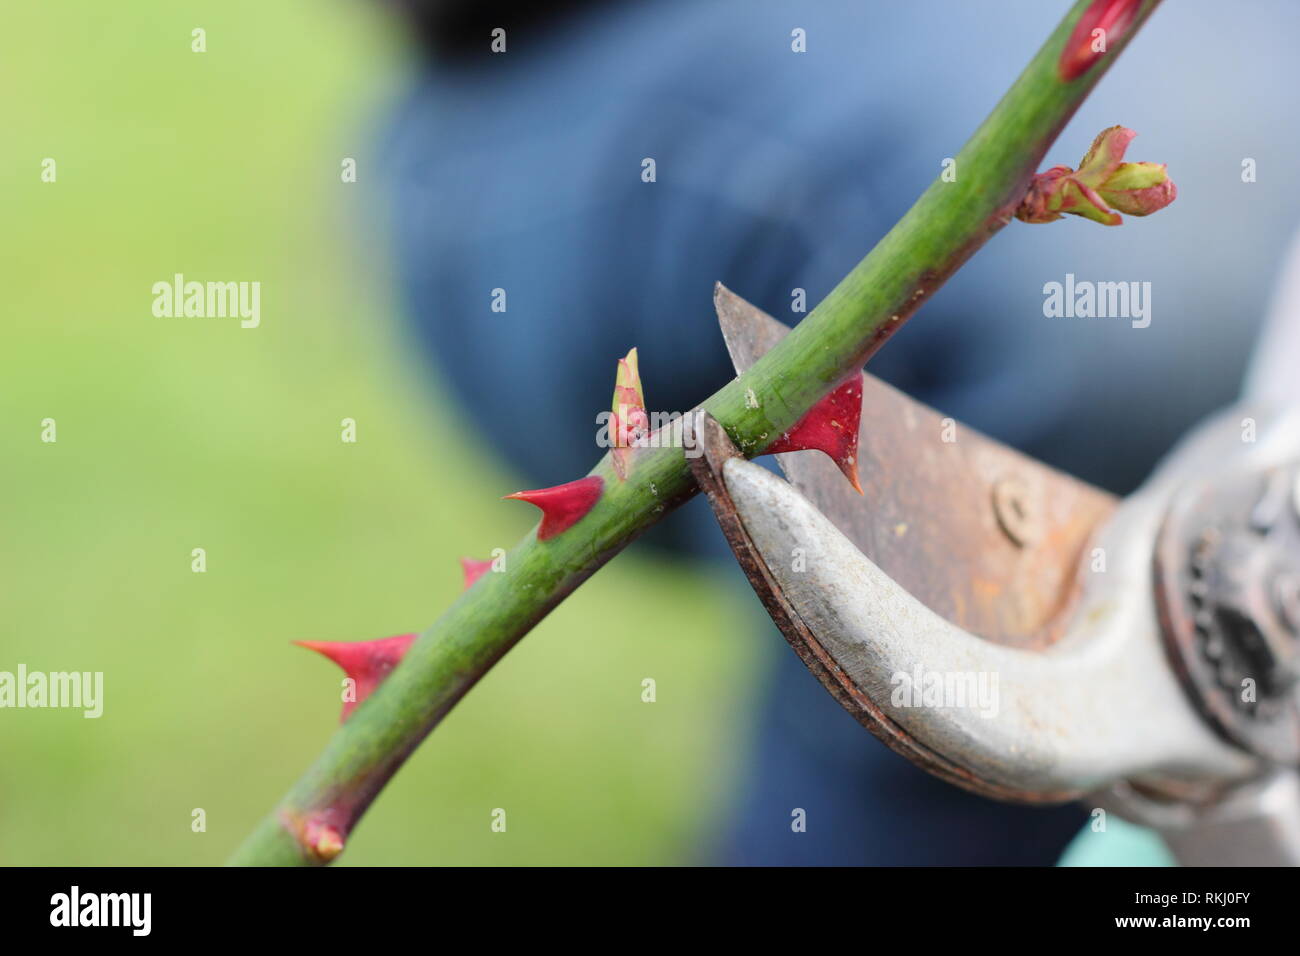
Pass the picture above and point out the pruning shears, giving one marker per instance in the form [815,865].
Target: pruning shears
[1031,638]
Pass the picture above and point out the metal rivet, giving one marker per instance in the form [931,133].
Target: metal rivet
[1014,512]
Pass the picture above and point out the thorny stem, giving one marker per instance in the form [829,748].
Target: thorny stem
[949,222]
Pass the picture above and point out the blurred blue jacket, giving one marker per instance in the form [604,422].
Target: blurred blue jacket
[778,170]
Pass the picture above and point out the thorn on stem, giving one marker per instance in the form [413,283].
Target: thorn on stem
[367,663]
[474,570]
[563,506]
[1086,46]
[831,426]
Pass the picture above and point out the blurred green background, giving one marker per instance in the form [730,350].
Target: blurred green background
[175,434]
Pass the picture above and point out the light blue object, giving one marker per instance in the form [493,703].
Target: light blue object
[1120,844]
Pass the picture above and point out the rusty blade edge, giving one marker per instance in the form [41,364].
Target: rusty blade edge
[707,469]
[934,515]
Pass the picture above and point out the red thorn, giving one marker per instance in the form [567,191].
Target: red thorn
[831,426]
[564,505]
[368,663]
[474,570]
[1114,17]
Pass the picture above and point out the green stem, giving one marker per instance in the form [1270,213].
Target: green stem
[940,232]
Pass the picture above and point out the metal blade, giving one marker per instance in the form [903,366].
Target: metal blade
[986,537]
[1027,725]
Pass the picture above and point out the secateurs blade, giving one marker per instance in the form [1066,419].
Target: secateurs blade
[1029,637]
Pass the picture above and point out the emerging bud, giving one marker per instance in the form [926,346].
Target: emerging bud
[564,505]
[323,841]
[629,425]
[321,834]
[1103,180]
[1139,189]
